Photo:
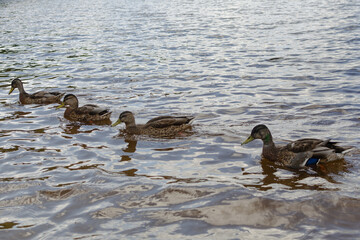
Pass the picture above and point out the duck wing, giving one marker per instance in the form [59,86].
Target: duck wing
[92,109]
[45,94]
[167,121]
[330,151]
[324,150]
[303,145]
[313,144]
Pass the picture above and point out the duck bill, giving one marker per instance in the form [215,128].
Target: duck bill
[11,90]
[60,106]
[116,123]
[249,139]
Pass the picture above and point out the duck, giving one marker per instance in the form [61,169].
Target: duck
[162,126]
[87,113]
[42,97]
[300,153]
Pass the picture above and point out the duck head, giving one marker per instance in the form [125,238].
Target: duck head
[259,132]
[126,117]
[70,100]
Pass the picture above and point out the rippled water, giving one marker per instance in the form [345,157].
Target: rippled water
[292,65]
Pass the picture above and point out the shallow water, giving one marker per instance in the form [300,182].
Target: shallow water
[293,66]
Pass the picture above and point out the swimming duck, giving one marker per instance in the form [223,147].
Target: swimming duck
[86,113]
[163,126]
[42,97]
[299,153]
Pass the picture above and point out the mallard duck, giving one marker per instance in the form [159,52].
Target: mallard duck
[86,113]
[159,126]
[42,97]
[300,153]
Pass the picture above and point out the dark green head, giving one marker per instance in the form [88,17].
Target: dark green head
[259,132]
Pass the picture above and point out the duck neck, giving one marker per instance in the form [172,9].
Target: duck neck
[268,142]
[131,124]
[269,149]
[131,128]
[71,108]
[268,139]
[68,111]
[73,105]
[21,88]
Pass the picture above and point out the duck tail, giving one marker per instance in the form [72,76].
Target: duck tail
[347,150]
[338,149]
[191,119]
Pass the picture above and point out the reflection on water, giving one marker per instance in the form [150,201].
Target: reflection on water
[257,212]
[74,128]
[7,225]
[16,115]
[131,147]
[290,65]
[309,178]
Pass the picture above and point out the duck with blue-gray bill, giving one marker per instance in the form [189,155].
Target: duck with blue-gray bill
[299,153]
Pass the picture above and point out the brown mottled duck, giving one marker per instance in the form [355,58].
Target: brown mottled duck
[87,113]
[163,126]
[299,153]
[42,97]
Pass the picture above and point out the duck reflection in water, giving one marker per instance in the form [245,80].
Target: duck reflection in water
[272,174]
[130,148]
[74,128]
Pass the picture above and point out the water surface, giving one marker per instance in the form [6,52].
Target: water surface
[293,66]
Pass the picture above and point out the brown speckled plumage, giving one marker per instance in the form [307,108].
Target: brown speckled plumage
[87,113]
[298,153]
[163,126]
[42,97]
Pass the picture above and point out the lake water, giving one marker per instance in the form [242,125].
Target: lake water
[292,65]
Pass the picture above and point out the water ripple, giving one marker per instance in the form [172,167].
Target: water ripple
[290,65]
